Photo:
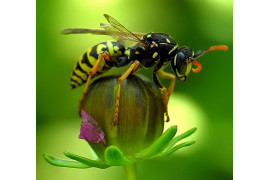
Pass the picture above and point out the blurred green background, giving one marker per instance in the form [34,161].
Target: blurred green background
[205,100]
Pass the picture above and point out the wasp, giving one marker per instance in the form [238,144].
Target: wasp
[147,50]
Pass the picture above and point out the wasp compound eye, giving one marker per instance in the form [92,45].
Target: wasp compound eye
[180,63]
[181,66]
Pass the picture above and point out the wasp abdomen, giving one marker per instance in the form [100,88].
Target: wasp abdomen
[88,60]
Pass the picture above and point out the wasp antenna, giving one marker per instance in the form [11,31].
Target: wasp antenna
[212,48]
[198,68]
[218,47]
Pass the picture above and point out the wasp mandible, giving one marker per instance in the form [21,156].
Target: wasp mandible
[148,50]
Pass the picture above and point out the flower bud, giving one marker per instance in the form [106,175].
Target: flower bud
[141,113]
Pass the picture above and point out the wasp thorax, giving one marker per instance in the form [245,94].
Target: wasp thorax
[141,113]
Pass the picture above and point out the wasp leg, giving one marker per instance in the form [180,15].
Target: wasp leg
[92,72]
[131,69]
[166,75]
[166,94]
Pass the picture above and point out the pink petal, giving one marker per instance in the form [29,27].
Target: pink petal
[90,129]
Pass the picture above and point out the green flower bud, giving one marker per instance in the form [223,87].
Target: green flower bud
[138,134]
[141,113]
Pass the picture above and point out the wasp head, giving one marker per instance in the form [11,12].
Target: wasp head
[181,63]
[185,57]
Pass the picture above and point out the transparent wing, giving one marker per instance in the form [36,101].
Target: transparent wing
[119,32]
[82,31]
[114,29]
[96,31]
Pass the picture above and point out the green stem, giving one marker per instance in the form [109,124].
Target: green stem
[131,172]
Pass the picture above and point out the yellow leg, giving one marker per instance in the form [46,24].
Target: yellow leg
[166,94]
[166,75]
[131,69]
[92,72]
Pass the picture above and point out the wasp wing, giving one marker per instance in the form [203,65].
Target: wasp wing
[114,29]
[121,37]
[83,31]
[95,31]
[119,32]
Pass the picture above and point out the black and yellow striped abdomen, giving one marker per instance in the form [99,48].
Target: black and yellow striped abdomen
[88,60]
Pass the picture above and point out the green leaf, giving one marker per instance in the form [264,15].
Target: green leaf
[64,163]
[180,137]
[115,157]
[175,148]
[89,162]
[159,144]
